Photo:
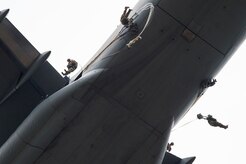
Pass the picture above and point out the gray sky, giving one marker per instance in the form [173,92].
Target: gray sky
[76,29]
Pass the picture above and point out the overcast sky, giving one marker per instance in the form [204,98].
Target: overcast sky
[76,29]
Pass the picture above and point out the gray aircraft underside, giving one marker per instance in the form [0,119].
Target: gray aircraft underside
[141,82]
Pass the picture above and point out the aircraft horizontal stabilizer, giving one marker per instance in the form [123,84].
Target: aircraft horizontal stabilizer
[172,159]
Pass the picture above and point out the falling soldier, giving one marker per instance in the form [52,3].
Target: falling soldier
[212,121]
[71,66]
[124,17]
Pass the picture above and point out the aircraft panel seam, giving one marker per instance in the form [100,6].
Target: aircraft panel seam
[179,22]
[117,103]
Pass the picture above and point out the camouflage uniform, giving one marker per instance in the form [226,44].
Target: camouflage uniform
[124,17]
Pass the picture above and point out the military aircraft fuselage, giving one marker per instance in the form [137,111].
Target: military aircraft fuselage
[142,81]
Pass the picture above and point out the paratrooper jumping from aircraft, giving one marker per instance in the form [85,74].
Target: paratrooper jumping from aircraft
[71,66]
[124,17]
[169,146]
[212,121]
